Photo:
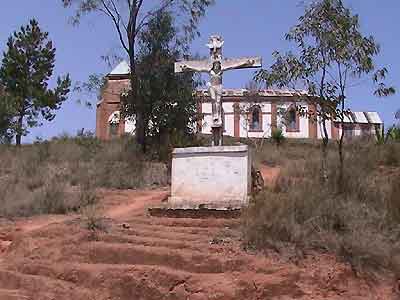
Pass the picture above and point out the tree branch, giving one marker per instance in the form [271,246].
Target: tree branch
[152,13]
[116,21]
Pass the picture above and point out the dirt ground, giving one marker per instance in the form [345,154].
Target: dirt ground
[137,257]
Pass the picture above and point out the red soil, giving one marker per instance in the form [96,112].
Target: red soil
[269,174]
[143,257]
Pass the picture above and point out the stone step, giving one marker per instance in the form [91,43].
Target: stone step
[36,287]
[198,231]
[166,234]
[187,222]
[12,295]
[140,281]
[158,242]
[190,261]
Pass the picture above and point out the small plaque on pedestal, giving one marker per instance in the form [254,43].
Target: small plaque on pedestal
[210,177]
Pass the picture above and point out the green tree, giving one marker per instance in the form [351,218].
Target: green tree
[332,55]
[168,99]
[27,66]
[5,118]
[129,18]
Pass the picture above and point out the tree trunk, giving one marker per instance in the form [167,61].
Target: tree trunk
[134,100]
[18,139]
[340,148]
[18,136]
[324,160]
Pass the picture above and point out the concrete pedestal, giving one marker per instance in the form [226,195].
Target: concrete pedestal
[210,177]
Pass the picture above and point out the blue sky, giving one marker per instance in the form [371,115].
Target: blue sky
[249,27]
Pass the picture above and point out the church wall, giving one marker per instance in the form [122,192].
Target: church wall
[229,125]
[103,112]
[266,128]
[207,121]
[228,107]
[109,103]
[269,106]
[130,126]
[328,129]
[266,107]
[303,131]
[206,108]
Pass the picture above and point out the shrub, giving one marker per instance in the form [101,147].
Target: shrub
[359,221]
[92,218]
[394,133]
[51,198]
[277,136]
[62,175]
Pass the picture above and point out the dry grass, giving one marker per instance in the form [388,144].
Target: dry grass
[62,175]
[359,220]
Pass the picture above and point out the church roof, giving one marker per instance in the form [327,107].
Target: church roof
[263,93]
[373,117]
[121,69]
[359,117]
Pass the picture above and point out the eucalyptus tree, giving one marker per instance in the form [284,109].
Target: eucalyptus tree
[168,99]
[130,18]
[332,54]
[27,66]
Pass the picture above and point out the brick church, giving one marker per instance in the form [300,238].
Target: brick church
[242,117]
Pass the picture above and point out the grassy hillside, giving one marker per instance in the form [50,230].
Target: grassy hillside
[358,219]
[62,175]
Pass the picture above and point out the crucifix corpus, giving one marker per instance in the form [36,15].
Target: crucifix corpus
[215,66]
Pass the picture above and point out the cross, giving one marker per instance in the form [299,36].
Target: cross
[215,66]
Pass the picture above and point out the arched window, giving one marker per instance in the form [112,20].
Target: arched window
[113,124]
[256,119]
[292,120]
[114,130]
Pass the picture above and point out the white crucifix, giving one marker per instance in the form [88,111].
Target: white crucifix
[215,66]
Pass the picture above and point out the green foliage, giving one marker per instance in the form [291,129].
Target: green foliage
[394,133]
[27,66]
[277,136]
[167,98]
[332,54]
[381,137]
[95,85]
[331,51]
[130,19]
[5,118]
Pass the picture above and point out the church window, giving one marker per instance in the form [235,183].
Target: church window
[113,123]
[348,131]
[365,130]
[292,120]
[113,130]
[256,119]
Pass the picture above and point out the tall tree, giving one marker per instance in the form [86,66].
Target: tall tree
[168,99]
[27,66]
[5,118]
[332,55]
[129,18]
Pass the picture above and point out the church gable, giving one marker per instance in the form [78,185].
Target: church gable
[108,105]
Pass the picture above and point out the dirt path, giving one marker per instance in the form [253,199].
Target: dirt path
[117,204]
[142,257]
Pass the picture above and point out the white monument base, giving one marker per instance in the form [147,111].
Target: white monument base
[210,177]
